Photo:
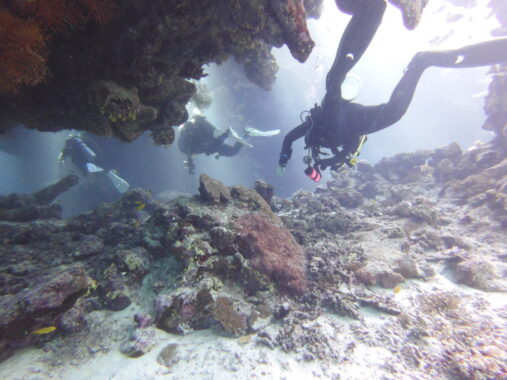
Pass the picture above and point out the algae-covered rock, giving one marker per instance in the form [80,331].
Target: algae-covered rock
[42,302]
[481,274]
[411,11]
[114,291]
[140,342]
[232,321]
[271,250]
[212,190]
[168,355]
[24,208]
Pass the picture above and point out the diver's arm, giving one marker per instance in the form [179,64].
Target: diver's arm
[191,164]
[295,134]
[228,150]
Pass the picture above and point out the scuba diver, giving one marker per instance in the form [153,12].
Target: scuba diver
[199,136]
[341,125]
[76,154]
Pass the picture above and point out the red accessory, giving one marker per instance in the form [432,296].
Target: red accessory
[313,174]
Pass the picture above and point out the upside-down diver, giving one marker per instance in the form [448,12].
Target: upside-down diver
[341,125]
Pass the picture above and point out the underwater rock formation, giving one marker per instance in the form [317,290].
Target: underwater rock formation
[130,72]
[123,68]
[495,106]
[39,306]
[272,251]
[411,11]
[24,208]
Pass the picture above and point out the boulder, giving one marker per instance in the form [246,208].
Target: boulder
[213,190]
[42,302]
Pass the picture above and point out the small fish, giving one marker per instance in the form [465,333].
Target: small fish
[397,289]
[44,330]
[244,339]
[140,205]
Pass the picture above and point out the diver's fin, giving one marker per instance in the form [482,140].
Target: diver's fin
[119,183]
[92,168]
[238,138]
[256,132]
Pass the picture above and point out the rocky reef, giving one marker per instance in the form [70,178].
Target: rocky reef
[128,70]
[121,68]
[402,260]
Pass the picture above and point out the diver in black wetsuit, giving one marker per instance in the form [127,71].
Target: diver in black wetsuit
[197,137]
[78,154]
[341,125]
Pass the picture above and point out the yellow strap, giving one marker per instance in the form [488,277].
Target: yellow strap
[353,159]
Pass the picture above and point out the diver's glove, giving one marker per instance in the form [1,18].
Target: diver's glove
[284,158]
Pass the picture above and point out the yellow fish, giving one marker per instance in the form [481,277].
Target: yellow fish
[140,205]
[397,289]
[44,330]
[244,339]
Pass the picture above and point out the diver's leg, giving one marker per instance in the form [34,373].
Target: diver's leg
[220,139]
[229,151]
[366,18]
[480,54]
[191,164]
[401,97]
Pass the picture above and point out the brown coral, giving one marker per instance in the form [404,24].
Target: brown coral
[23,52]
[27,26]
[232,321]
[65,15]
